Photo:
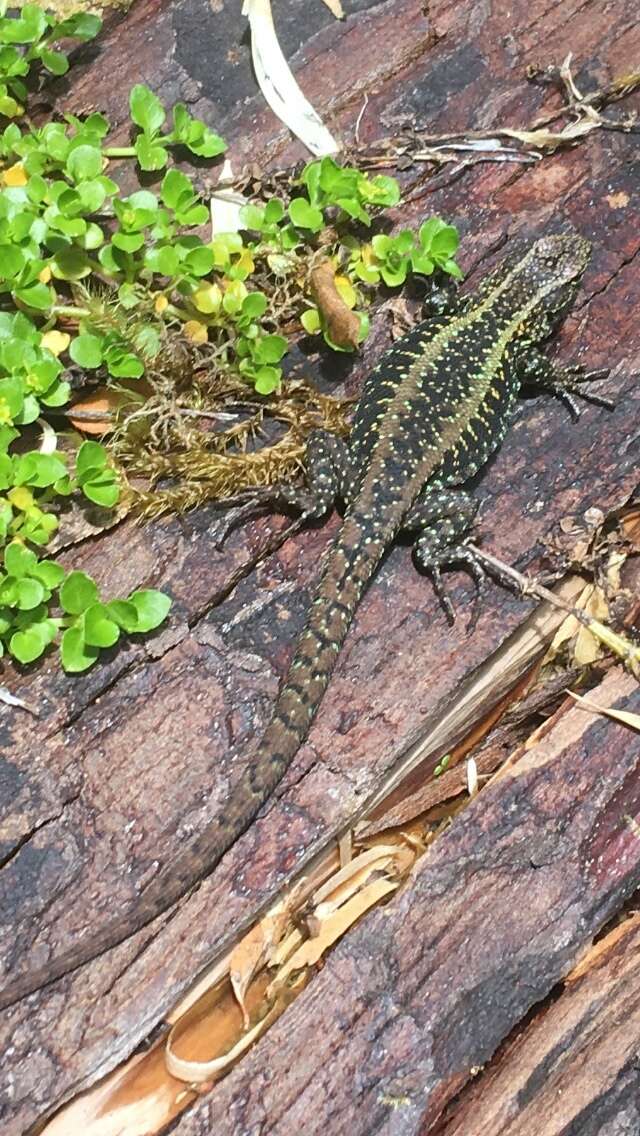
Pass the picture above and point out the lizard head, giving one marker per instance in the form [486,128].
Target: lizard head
[553,268]
[558,259]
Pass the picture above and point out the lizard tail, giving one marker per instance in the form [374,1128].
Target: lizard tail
[348,568]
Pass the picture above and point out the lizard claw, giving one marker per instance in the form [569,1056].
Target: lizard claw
[479,576]
[442,594]
[459,555]
[240,511]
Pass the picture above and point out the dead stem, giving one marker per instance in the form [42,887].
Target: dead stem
[528,586]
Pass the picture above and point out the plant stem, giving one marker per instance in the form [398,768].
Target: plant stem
[70,311]
[119,152]
[626,650]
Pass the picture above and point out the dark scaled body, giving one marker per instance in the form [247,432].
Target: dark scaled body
[431,414]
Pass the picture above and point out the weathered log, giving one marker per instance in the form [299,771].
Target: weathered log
[414,1001]
[125,761]
[574,1067]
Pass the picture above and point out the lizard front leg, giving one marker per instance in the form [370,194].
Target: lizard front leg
[442,518]
[566,383]
[328,475]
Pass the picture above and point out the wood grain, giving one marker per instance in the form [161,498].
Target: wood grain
[124,762]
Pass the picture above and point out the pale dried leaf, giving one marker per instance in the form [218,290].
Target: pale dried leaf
[255,951]
[624,716]
[587,647]
[225,206]
[278,84]
[10,699]
[332,929]
[49,441]
[570,626]
[336,8]
[550,139]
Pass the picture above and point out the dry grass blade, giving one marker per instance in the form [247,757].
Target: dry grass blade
[278,84]
[625,717]
[335,7]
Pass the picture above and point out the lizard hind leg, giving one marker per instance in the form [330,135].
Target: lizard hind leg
[328,475]
[442,519]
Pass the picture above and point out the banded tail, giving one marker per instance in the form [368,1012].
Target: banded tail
[349,566]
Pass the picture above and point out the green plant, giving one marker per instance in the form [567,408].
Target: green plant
[133,301]
[151,146]
[343,189]
[90,625]
[393,258]
[28,39]
[86,624]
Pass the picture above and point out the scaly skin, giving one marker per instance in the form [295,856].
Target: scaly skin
[432,412]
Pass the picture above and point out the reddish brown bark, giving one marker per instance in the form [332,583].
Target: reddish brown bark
[123,762]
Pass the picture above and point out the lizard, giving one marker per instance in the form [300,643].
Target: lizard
[432,412]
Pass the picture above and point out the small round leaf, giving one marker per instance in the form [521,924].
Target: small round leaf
[86,351]
[77,593]
[152,608]
[99,630]
[76,655]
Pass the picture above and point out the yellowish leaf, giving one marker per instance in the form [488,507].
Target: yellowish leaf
[15,176]
[341,323]
[237,289]
[245,261]
[55,341]
[196,332]
[21,497]
[160,304]
[624,716]
[45,275]
[345,289]
[208,298]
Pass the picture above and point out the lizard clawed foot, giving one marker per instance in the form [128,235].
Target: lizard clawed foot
[467,557]
[276,498]
[459,555]
[442,594]
[570,384]
[241,509]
